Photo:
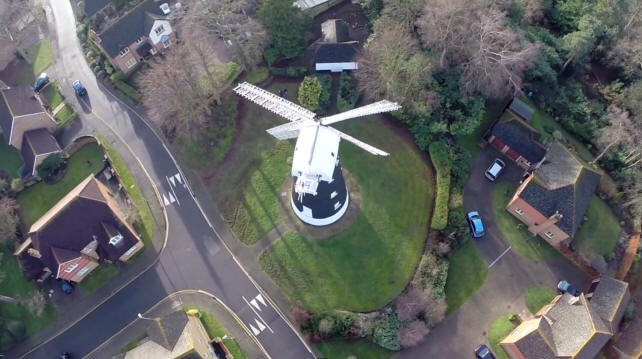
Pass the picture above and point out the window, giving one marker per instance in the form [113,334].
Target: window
[337,205]
[166,43]
[130,63]
[124,51]
[153,51]
[71,268]
[549,234]
[82,272]
[519,211]
[159,30]
[139,40]
[333,194]
[116,239]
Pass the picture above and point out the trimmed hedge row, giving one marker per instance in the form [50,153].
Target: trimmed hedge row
[439,155]
[127,90]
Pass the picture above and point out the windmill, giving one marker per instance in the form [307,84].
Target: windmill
[319,193]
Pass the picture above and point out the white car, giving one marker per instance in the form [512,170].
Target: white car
[495,169]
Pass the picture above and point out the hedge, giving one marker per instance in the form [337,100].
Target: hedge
[439,154]
[128,90]
[291,71]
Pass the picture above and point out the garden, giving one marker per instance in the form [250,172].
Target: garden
[214,329]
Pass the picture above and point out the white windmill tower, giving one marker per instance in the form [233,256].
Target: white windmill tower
[319,193]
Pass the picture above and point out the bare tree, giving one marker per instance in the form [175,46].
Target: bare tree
[8,219]
[411,303]
[627,52]
[412,333]
[620,130]
[228,20]
[16,21]
[474,38]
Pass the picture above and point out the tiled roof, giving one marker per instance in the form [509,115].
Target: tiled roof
[522,109]
[135,24]
[63,255]
[335,30]
[608,297]
[90,7]
[332,53]
[21,100]
[37,142]
[520,137]
[167,330]
[534,339]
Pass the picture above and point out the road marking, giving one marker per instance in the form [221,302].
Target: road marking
[179,179]
[172,188]
[257,314]
[500,257]
[255,304]
[260,298]
[254,330]
[261,326]
[171,179]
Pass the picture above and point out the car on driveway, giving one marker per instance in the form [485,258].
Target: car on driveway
[40,82]
[495,169]
[79,88]
[65,356]
[566,287]
[476,224]
[483,352]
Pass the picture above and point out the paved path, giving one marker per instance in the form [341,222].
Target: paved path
[195,256]
[509,276]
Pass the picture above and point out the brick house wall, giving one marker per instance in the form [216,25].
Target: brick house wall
[509,152]
[77,269]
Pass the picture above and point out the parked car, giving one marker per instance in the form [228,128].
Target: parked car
[66,286]
[566,287]
[40,82]
[495,169]
[79,88]
[483,352]
[476,224]
[65,356]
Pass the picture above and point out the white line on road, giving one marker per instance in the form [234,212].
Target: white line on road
[257,314]
[500,257]
[172,188]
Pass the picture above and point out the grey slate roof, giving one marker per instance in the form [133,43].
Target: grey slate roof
[331,53]
[520,138]
[41,141]
[566,186]
[21,100]
[522,109]
[91,7]
[6,119]
[335,30]
[538,344]
[63,255]
[608,297]
[167,330]
[135,24]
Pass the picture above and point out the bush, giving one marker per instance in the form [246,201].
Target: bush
[326,89]
[101,74]
[386,330]
[290,71]
[128,90]
[432,273]
[258,75]
[310,92]
[457,229]
[330,325]
[117,76]
[49,165]
[412,333]
[439,154]
[108,68]
[348,93]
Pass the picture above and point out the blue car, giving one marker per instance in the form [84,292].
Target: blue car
[483,352]
[79,88]
[40,82]
[475,223]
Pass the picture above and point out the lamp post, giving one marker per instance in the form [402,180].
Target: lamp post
[140,316]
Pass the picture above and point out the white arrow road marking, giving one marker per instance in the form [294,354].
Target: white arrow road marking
[255,304]
[260,298]
[172,188]
[171,179]
[165,200]
[258,315]
[261,326]
[178,178]
[254,330]
[171,198]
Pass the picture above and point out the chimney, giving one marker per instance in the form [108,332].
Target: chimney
[537,228]
[34,253]
[573,300]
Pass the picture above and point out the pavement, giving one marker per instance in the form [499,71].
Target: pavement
[195,256]
[509,275]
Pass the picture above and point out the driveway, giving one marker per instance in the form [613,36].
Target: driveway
[509,275]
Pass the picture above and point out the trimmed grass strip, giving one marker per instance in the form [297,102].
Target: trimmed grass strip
[65,116]
[498,330]
[98,277]
[467,273]
[538,296]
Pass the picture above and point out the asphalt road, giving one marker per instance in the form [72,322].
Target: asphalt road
[194,257]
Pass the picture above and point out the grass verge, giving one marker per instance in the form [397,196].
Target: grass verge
[599,234]
[52,94]
[339,349]
[466,275]
[37,199]
[522,241]
[497,331]
[10,160]
[215,329]
[538,296]
[40,56]
[65,116]
[98,277]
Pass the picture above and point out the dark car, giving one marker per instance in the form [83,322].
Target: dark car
[475,223]
[566,287]
[79,88]
[495,169]
[40,82]
[65,356]
[483,352]
[66,286]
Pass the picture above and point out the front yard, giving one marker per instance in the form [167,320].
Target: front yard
[338,349]
[98,277]
[466,275]
[522,241]
[52,94]
[215,329]
[538,296]
[65,115]
[498,330]
[38,199]
[599,234]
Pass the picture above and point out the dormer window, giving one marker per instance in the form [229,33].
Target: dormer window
[116,239]
[139,40]
[124,51]
[159,30]
[71,267]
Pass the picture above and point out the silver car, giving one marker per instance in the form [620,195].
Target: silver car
[495,169]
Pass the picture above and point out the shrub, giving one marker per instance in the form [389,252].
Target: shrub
[439,154]
[412,333]
[101,74]
[108,68]
[17,185]
[457,229]
[117,76]
[310,92]
[258,75]
[432,273]
[411,303]
[386,330]
[35,304]
[128,90]
[49,165]
[326,89]
[290,71]
[629,313]
[348,93]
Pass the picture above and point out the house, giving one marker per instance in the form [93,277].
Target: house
[315,7]
[136,36]
[92,8]
[83,227]
[21,111]
[36,146]
[516,139]
[335,31]
[553,200]
[176,335]
[336,57]
[571,327]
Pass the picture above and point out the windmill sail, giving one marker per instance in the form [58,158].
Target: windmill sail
[274,103]
[363,145]
[371,109]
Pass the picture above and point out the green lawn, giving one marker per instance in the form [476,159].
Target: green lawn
[98,277]
[538,296]
[52,94]
[337,349]
[466,275]
[15,285]
[40,56]
[37,199]
[369,264]
[215,329]
[522,241]
[497,331]
[599,234]
[258,75]
[10,160]
[65,116]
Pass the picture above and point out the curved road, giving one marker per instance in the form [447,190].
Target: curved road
[194,258]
